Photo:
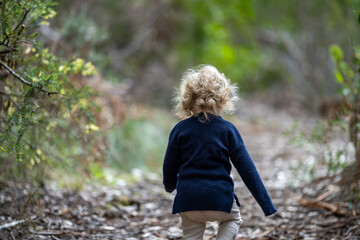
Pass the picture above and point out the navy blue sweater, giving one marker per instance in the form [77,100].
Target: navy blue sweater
[197,164]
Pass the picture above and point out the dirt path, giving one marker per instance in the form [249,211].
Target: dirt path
[143,210]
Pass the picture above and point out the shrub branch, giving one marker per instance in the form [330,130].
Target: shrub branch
[22,19]
[25,81]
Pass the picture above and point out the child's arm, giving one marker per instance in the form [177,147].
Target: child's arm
[171,164]
[249,174]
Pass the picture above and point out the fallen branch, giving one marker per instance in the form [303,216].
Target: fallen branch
[314,203]
[16,222]
[59,233]
[333,226]
[25,81]
[12,224]
[325,195]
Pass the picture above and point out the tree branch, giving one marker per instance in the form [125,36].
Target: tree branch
[4,52]
[25,81]
[23,19]
[19,3]
[18,36]
[6,38]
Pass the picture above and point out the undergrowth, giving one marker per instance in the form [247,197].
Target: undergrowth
[134,151]
[326,151]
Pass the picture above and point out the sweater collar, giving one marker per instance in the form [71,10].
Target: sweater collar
[211,116]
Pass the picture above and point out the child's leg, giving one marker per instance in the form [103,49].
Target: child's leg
[229,225]
[193,227]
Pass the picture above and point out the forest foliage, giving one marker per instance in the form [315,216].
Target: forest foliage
[42,110]
[49,49]
[261,45]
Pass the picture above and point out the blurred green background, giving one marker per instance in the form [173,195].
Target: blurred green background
[272,46]
[276,51]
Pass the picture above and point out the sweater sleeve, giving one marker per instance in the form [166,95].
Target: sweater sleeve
[249,174]
[171,163]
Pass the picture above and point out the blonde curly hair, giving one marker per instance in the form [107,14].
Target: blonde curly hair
[204,90]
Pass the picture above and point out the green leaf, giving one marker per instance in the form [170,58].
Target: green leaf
[336,52]
[359,18]
[34,35]
[339,77]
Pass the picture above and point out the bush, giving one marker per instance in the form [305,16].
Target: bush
[44,115]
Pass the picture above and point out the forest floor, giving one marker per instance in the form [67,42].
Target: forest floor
[306,210]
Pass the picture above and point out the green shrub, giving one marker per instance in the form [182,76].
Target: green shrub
[44,115]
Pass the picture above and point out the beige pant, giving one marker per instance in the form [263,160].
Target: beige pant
[194,223]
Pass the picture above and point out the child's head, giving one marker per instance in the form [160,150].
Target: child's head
[205,90]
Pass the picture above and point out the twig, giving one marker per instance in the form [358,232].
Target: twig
[12,236]
[25,41]
[334,226]
[25,81]
[18,35]
[16,222]
[6,51]
[12,224]
[18,2]
[23,19]
[6,38]
[59,233]
[325,195]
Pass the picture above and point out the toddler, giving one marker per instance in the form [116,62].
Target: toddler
[197,159]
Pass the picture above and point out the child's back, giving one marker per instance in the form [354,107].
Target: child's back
[204,181]
[197,160]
